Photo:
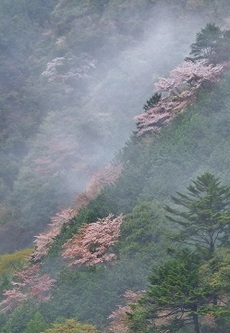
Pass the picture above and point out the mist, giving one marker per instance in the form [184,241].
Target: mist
[115,91]
[69,115]
[90,104]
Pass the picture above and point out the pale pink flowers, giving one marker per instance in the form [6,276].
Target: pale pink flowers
[101,178]
[29,283]
[92,244]
[97,182]
[44,240]
[180,89]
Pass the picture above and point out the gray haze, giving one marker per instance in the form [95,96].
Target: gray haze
[91,119]
[116,91]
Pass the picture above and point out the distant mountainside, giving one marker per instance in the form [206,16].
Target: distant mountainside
[101,123]
[74,74]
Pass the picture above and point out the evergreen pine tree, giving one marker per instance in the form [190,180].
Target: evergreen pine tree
[207,42]
[204,214]
[175,296]
[37,324]
[152,101]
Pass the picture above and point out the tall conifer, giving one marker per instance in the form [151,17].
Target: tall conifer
[203,215]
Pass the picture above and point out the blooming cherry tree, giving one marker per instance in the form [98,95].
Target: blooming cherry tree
[181,86]
[13,299]
[44,240]
[101,178]
[98,181]
[191,72]
[29,283]
[92,244]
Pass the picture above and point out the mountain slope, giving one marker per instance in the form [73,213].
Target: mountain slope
[143,175]
[155,167]
[88,69]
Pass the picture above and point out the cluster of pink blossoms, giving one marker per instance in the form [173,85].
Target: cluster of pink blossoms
[102,178]
[181,87]
[44,240]
[91,245]
[93,242]
[29,283]
[98,181]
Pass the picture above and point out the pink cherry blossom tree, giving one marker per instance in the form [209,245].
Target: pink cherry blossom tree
[44,240]
[182,85]
[102,178]
[29,283]
[191,72]
[97,182]
[92,244]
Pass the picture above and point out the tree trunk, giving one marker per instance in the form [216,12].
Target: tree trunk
[196,323]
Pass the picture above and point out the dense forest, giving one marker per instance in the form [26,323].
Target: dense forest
[114,166]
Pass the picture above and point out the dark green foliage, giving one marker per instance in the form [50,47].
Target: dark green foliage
[191,286]
[91,294]
[18,321]
[174,297]
[143,234]
[36,325]
[139,246]
[212,44]
[204,214]
[206,42]
[192,144]
[152,101]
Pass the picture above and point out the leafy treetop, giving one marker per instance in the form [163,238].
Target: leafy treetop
[71,326]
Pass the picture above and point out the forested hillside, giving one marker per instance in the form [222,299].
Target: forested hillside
[114,164]
[74,74]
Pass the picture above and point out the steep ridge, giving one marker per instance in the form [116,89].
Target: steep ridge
[99,253]
[150,168]
[87,71]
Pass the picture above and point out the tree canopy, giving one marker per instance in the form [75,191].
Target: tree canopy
[211,43]
[203,216]
[175,295]
[191,286]
[71,326]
